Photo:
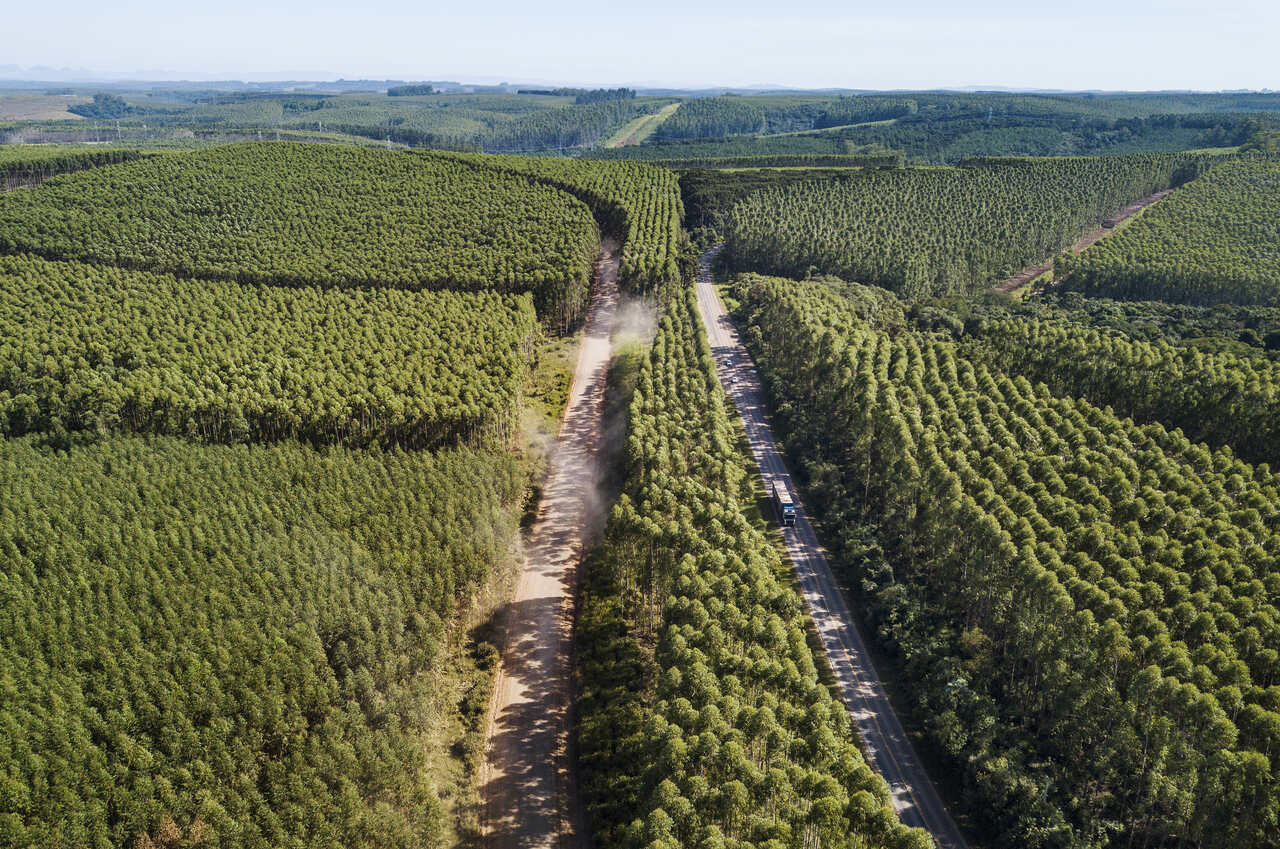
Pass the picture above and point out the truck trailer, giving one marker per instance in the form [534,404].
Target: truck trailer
[783,504]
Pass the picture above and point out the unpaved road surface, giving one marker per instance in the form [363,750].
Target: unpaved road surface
[1031,272]
[643,127]
[530,799]
[889,750]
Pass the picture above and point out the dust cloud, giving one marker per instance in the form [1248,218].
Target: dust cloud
[635,323]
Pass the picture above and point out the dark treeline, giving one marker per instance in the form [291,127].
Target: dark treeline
[410,90]
[106,105]
[870,159]
[737,147]
[585,95]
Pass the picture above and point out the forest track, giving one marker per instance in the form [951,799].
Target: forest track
[1031,272]
[639,129]
[888,749]
[530,798]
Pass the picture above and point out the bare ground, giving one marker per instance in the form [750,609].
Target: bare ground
[40,107]
[530,799]
[1030,273]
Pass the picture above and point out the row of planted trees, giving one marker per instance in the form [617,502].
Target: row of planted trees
[1213,242]
[247,645]
[637,204]
[317,215]
[240,646]
[30,165]
[1082,608]
[937,231]
[1220,398]
[89,348]
[703,720]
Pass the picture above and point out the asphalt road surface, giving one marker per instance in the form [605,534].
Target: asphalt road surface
[530,799]
[886,744]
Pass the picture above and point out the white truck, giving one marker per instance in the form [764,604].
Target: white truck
[783,504]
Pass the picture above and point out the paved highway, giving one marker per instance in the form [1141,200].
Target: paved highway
[884,740]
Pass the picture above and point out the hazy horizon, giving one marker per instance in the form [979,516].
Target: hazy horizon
[1150,45]
[82,76]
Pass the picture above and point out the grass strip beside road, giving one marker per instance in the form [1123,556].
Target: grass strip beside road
[639,129]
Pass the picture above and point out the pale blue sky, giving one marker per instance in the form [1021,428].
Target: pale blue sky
[1146,44]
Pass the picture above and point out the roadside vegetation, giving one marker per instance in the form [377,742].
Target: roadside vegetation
[703,718]
[1080,607]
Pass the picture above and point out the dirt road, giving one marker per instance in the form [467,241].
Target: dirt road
[529,797]
[1031,272]
[641,128]
[883,738]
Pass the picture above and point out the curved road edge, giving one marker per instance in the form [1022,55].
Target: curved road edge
[889,750]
